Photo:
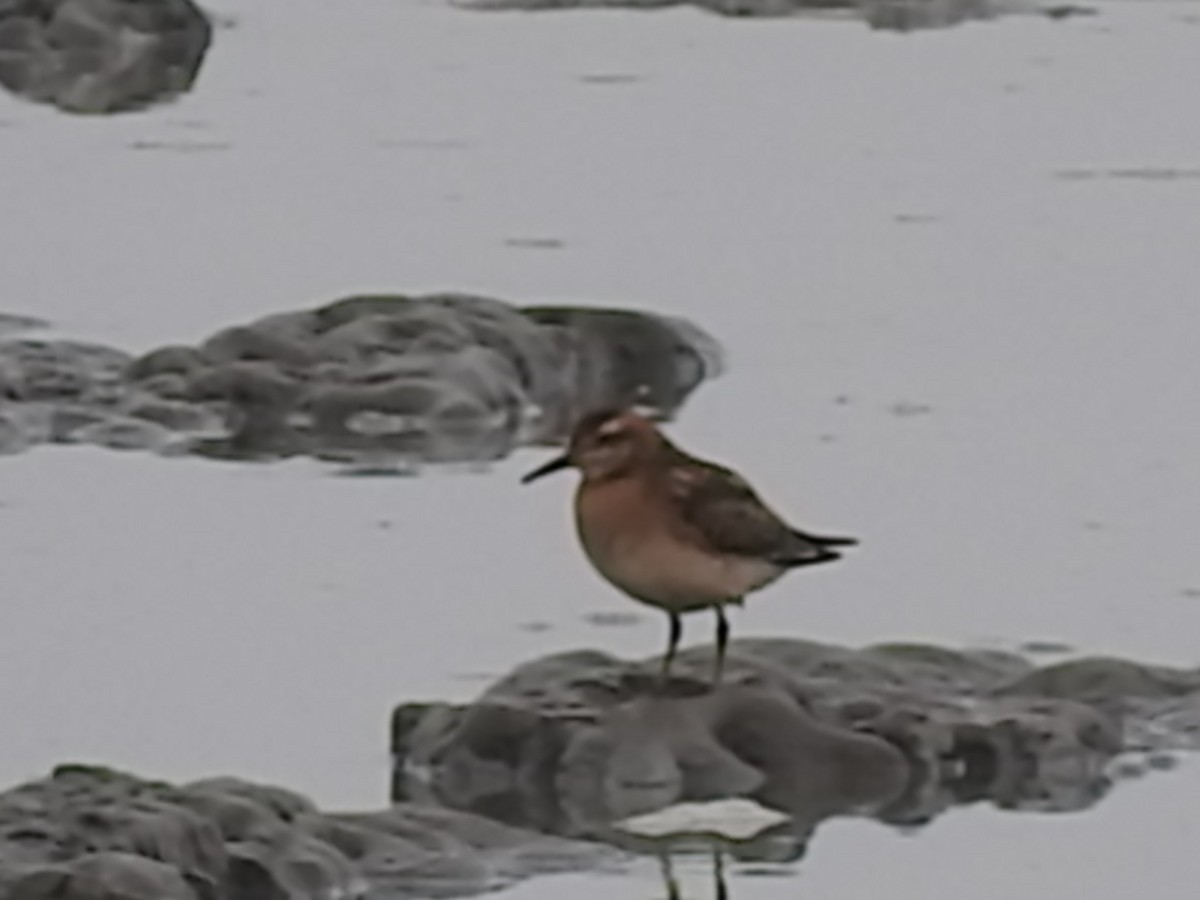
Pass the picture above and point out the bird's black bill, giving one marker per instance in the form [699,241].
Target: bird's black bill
[559,462]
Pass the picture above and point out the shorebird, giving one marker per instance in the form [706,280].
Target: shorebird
[672,531]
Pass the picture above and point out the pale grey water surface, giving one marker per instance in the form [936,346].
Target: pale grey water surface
[956,273]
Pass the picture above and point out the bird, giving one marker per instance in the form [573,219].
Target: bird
[673,531]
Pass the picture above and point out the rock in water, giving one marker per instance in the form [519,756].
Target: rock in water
[372,381]
[88,832]
[10,324]
[890,15]
[577,743]
[101,56]
[104,875]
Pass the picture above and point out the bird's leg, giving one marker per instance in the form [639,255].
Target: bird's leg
[722,640]
[676,632]
[718,858]
[668,873]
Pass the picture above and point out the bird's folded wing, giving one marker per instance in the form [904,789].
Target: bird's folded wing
[726,513]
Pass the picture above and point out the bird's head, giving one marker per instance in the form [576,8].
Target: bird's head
[605,445]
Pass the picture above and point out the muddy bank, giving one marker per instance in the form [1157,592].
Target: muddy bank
[887,15]
[382,381]
[86,832]
[101,56]
[575,742]
[551,768]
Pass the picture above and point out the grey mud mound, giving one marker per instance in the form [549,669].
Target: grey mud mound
[543,772]
[887,15]
[575,742]
[94,834]
[10,324]
[380,382]
[101,56]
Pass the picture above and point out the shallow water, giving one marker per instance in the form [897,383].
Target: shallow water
[1134,843]
[955,273]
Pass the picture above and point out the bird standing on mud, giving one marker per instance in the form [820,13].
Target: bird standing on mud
[672,531]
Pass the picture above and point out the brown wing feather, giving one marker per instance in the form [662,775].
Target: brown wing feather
[726,512]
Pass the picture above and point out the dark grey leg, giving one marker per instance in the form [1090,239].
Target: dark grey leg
[673,637]
[722,640]
[668,873]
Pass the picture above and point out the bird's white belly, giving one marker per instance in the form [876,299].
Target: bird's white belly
[663,571]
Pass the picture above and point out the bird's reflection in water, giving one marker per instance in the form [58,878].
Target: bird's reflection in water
[717,856]
[709,846]
[671,883]
[577,745]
